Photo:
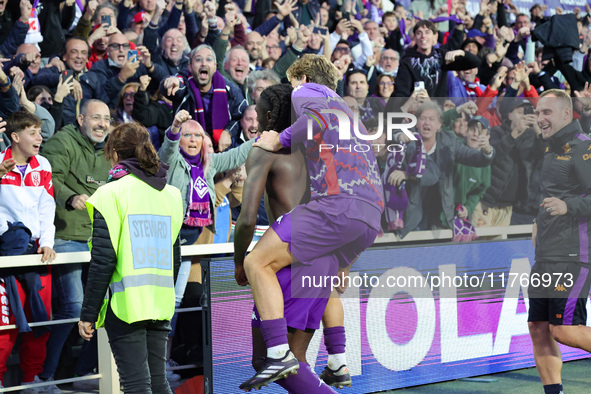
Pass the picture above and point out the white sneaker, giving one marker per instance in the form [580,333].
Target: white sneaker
[49,389]
[32,390]
[86,385]
[170,375]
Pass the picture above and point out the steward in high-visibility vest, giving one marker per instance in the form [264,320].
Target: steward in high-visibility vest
[134,252]
[143,225]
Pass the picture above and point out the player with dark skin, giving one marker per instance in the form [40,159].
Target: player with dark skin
[284,177]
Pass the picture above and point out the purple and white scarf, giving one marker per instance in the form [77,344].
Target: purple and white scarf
[199,212]
[396,196]
[219,106]
[464,231]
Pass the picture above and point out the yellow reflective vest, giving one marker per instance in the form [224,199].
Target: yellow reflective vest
[143,224]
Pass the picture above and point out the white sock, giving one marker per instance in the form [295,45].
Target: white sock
[278,351]
[336,360]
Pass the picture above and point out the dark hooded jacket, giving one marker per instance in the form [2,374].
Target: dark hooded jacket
[431,69]
[516,169]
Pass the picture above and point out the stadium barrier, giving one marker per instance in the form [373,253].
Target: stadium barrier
[108,376]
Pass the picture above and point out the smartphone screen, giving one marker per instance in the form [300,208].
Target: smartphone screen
[106,19]
[131,53]
[528,110]
[320,30]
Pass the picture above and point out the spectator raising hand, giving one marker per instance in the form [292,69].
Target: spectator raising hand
[145,57]
[7,165]
[452,55]
[285,8]
[64,88]
[144,82]
[171,85]
[342,64]
[25,7]
[469,108]
[583,97]
[498,79]
[129,68]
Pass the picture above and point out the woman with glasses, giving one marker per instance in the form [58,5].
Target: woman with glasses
[384,89]
[192,170]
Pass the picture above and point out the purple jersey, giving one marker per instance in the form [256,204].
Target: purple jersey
[337,166]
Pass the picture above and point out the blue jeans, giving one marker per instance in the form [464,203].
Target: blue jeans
[67,296]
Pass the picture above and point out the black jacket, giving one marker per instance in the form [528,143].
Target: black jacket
[431,69]
[184,99]
[566,174]
[516,169]
[102,81]
[560,37]
[448,152]
[151,113]
[52,22]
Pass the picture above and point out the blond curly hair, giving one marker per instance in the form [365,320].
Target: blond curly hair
[316,68]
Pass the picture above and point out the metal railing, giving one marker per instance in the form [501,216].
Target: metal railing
[108,376]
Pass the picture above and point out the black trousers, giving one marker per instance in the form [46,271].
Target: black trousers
[140,353]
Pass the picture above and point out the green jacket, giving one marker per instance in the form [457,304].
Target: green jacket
[470,184]
[179,173]
[78,167]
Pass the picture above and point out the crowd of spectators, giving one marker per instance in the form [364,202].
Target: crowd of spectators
[471,79]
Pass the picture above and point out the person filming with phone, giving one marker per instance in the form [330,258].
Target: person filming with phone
[107,77]
[512,197]
[423,62]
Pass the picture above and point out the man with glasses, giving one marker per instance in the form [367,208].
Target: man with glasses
[108,76]
[389,61]
[273,48]
[76,155]
[213,101]
[75,56]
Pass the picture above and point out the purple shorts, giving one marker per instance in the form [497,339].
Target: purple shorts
[300,313]
[329,227]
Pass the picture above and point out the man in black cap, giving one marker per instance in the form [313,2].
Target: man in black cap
[512,197]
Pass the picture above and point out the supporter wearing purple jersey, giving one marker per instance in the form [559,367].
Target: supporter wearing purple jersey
[341,220]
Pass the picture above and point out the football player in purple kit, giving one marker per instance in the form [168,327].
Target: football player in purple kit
[341,220]
[284,177]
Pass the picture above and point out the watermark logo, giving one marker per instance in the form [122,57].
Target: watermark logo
[345,124]
[344,128]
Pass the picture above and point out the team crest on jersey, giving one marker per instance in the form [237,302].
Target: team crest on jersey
[36,178]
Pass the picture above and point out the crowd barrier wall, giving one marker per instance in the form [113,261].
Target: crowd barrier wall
[398,334]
